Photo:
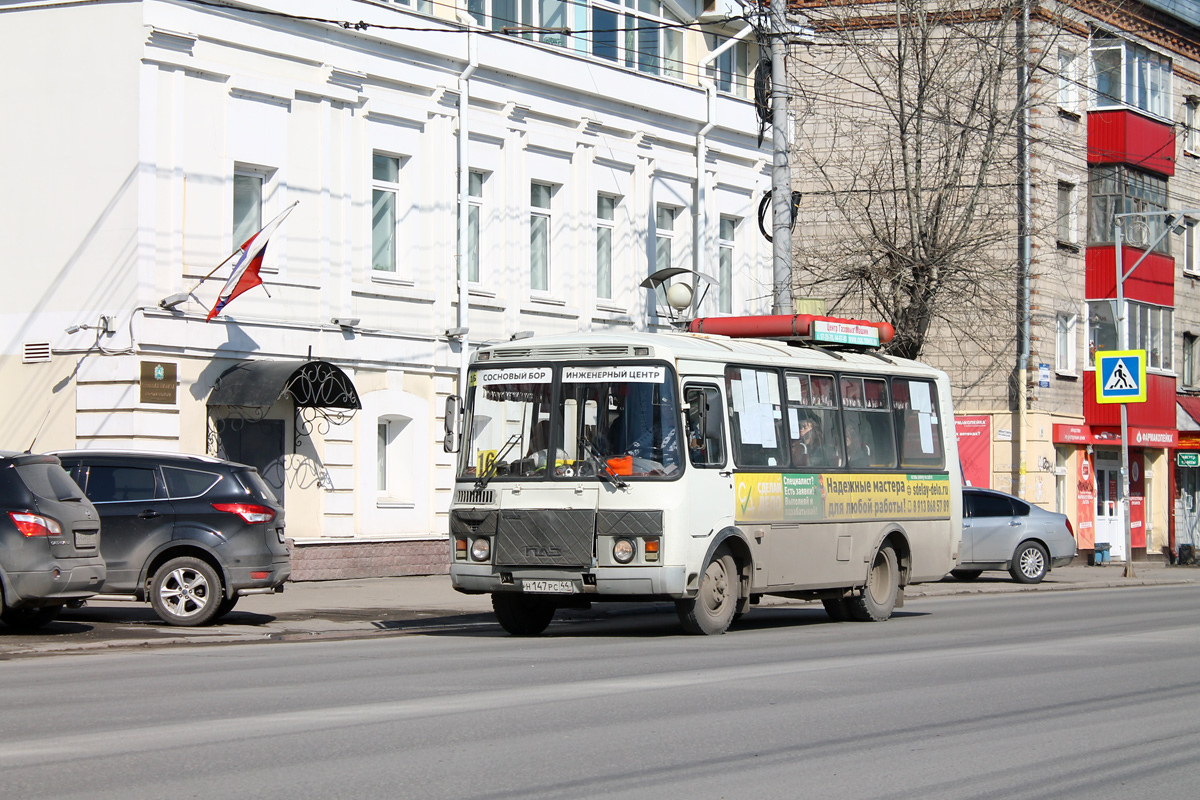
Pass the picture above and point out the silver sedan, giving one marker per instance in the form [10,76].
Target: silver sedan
[1002,532]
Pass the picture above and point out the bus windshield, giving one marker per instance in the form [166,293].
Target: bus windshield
[622,420]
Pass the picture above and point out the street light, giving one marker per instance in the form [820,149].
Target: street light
[1175,223]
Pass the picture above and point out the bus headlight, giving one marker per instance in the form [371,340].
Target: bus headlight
[624,550]
[481,549]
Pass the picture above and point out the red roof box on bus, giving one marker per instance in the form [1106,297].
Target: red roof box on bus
[809,327]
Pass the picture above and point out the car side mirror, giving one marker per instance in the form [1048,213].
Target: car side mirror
[454,407]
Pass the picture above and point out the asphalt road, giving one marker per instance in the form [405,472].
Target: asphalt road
[1079,694]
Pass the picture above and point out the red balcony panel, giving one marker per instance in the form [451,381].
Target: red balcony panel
[1126,137]
[1152,282]
[1157,412]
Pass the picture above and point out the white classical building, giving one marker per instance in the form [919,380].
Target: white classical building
[144,141]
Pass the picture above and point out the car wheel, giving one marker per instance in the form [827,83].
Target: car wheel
[837,608]
[878,598]
[28,619]
[966,574]
[225,606]
[186,592]
[521,615]
[711,610]
[1030,563]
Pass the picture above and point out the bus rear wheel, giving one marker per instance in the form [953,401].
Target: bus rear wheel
[712,609]
[877,599]
[521,615]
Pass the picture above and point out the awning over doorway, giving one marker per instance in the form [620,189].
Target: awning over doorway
[1187,417]
[308,384]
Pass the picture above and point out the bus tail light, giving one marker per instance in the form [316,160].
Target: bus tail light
[651,548]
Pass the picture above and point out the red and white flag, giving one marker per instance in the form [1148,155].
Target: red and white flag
[247,262]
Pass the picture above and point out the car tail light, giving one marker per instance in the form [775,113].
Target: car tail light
[1070,530]
[250,512]
[35,524]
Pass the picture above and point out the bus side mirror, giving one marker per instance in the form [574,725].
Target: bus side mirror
[453,423]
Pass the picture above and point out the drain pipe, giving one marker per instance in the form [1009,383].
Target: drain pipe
[1025,266]
[464,188]
[702,249]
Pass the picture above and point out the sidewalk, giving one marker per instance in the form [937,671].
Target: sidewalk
[343,609]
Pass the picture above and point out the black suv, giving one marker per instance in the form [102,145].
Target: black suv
[189,533]
[49,541]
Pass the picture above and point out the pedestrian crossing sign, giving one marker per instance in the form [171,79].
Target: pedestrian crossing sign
[1121,376]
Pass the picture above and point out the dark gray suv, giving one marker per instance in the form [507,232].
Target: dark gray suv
[49,541]
[191,534]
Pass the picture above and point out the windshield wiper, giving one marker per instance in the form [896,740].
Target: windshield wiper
[482,481]
[603,471]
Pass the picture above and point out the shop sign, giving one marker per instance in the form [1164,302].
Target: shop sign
[1187,459]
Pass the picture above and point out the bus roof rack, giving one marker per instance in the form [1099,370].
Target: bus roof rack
[828,332]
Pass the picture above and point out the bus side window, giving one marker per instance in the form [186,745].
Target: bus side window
[705,432]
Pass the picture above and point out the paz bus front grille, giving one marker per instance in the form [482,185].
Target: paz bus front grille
[545,538]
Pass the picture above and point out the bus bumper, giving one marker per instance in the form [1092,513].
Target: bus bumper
[665,581]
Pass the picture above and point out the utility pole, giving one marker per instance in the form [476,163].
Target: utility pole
[781,184]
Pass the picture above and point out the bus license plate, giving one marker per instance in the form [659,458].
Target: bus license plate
[548,587]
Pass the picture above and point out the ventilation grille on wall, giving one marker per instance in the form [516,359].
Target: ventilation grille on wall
[35,352]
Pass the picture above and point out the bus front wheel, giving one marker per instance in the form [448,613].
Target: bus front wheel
[521,615]
[878,598]
[712,609]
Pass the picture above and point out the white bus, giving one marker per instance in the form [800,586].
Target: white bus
[705,469]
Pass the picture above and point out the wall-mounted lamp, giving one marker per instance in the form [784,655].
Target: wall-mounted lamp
[456,333]
[345,322]
[106,324]
[679,296]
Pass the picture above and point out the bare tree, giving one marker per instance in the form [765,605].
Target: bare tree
[907,117]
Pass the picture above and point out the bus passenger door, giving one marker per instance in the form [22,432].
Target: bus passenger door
[710,469]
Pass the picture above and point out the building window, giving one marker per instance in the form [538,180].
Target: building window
[638,35]
[1102,329]
[1191,121]
[664,235]
[726,237]
[1065,343]
[385,189]
[1067,215]
[525,16]
[1189,360]
[1068,80]
[247,203]
[1191,249]
[606,208]
[421,6]
[394,460]
[1148,327]
[1130,75]
[730,70]
[1119,189]
[540,195]
[474,218]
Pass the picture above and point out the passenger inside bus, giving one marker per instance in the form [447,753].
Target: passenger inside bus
[857,452]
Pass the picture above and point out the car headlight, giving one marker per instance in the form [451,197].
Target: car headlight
[481,549]
[624,550]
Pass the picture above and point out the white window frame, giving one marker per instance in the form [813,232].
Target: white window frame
[1066,342]
[394,460]
[1191,121]
[1189,375]
[606,239]
[380,186]
[1068,80]
[541,217]
[1070,213]
[726,262]
[242,229]
[1150,77]
[730,71]
[1191,248]
[420,6]
[621,31]
[476,187]
[664,244]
